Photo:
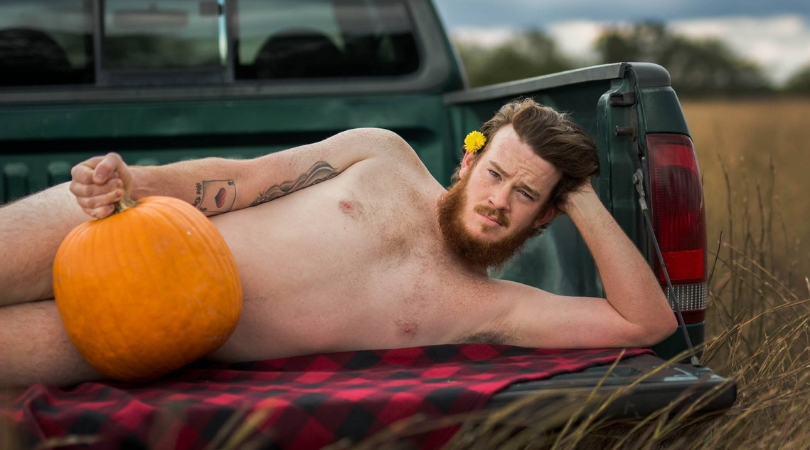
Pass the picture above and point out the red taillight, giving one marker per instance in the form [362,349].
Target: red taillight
[679,219]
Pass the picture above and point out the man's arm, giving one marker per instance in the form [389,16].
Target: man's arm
[636,312]
[218,185]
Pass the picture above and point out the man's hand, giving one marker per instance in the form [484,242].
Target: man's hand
[99,182]
[576,198]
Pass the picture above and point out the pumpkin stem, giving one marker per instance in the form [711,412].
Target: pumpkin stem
[124,204]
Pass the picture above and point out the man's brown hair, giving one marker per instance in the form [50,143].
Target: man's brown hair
[554,137]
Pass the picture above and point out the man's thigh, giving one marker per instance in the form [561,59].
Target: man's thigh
[31,230]
[34,348]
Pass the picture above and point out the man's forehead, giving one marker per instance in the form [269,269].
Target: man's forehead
[518,158]
[514,157]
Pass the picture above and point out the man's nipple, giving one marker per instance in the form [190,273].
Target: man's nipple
[350,207]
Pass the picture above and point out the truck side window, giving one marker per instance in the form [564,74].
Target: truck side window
[278,39]
[45,42]
[169,34]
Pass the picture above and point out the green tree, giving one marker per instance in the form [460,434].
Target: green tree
[528,54]
[697,67]
[799,82]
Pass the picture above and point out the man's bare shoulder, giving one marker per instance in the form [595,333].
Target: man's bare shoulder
[392,146]
[392,159]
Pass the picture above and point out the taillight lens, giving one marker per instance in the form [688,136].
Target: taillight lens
[679,220]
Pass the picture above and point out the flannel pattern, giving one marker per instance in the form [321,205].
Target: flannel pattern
[301,402]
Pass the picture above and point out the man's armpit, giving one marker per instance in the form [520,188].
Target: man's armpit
[319,172]
[215,196]
[486,337]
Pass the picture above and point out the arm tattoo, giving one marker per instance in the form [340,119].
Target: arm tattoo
[215,196]
[319,172]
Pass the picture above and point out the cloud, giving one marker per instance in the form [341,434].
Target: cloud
[779,44]
[576,38]
[485,37]
[543,13]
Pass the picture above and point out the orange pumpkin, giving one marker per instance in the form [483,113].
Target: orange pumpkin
[147,290]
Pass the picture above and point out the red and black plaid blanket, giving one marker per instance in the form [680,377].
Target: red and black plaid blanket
[296,403]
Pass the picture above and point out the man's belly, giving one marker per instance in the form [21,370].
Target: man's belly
[319,274]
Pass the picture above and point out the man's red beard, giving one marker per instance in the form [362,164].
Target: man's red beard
[476,251]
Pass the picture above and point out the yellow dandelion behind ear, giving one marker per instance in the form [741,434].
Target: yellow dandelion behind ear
[474,141]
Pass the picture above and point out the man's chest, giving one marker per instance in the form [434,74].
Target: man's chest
[337,232]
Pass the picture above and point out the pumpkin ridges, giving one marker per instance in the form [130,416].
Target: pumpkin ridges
[226,265]
[193,236]
[106,333]
[198,298]
[179,300]
[214,242]
[181,351]
[112,330]
[120,244]
[147,291]
[80,317]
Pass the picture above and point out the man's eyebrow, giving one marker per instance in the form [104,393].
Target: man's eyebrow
[500,169]
[531,191]
[523,186]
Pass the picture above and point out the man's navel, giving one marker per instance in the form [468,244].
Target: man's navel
[406,329]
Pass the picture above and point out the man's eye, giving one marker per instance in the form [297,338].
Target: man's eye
[526,194]
[494,174]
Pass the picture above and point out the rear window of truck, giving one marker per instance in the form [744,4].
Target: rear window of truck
[323,38]
[132,42]
[45,42]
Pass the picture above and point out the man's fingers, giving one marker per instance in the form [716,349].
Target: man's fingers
[99,182]
[83,173]
[93,190]
[105,168]
[101,200]
[100,213]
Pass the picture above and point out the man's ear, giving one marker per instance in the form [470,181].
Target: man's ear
[466,163]
[548,215]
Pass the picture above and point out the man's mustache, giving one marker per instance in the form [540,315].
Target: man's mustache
[491,212]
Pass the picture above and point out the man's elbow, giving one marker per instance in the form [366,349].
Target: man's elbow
[657,331]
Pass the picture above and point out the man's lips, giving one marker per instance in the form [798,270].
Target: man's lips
[490,219]
[492,216]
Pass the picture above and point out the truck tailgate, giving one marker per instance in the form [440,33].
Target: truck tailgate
[643,385]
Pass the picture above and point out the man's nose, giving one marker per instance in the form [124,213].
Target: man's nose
[499,197]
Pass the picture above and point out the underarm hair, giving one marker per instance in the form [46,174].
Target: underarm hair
[486,337]
[319,172]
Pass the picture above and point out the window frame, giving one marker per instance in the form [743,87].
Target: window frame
[155,76]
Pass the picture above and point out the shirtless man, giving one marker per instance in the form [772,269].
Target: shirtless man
[360,247]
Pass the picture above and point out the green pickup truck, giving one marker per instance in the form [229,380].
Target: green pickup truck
[166,81]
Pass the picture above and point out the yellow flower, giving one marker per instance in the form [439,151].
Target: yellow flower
[474,141]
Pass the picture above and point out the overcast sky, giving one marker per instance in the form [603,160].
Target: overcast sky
[772,33]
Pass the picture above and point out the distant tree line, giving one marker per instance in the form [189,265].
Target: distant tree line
[698,67]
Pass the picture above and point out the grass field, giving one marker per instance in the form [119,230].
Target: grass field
[764,147]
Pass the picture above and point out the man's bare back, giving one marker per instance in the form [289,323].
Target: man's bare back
[347,244]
